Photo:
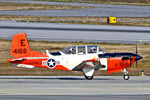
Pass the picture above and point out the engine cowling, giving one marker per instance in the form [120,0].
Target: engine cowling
[117,64]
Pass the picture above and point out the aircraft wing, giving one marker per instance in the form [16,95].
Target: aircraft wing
[88,64]
[88,67]
[91,64]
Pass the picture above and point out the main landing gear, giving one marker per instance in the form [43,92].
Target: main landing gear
[125,76]
[88,72]
[89,77]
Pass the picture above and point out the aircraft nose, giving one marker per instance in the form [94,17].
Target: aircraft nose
[137,57]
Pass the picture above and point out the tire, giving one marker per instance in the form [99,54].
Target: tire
[89,77]
[126,77]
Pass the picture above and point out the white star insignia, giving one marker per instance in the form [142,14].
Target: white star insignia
[51,63]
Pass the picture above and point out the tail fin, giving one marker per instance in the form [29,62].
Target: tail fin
[20,46]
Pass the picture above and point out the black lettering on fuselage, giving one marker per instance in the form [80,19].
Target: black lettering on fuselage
[22,42]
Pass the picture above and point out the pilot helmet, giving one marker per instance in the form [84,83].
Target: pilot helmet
[71,49]
[93,49]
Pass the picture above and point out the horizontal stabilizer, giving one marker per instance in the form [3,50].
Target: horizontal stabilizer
[25,66]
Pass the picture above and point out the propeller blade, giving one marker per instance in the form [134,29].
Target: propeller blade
[130,61]
[136,54]
[136,50]
[136,64]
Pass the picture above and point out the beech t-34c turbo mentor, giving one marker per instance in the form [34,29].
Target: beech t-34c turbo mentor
[75,58]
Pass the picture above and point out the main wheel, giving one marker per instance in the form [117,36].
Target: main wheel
[126,77]
[89,77]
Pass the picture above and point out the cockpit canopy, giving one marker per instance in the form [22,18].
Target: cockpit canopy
[90,49]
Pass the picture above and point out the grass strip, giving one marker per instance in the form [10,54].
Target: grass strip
[4,6]
[126,21]
[114,2]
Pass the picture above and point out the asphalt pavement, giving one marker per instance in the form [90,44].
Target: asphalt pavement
[73,85]
[75,97]
[74,88]
[100,10]
[76,32]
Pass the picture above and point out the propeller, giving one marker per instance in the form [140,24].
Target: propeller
[136,55]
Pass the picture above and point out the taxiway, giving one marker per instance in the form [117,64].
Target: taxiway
[99,10]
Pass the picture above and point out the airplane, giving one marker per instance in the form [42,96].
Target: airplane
[87,58]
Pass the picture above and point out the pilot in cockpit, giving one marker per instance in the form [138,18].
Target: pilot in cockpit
[71,51]
[93,50]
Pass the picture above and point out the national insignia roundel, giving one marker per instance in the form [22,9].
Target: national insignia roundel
[51,63]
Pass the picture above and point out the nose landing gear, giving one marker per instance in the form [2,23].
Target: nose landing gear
[125,76]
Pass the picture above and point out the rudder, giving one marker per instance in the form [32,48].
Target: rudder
[20,46]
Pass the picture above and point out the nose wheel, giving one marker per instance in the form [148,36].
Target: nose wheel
[125,76]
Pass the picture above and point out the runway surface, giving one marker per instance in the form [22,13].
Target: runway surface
[101,10]
[75,87]
[75,97]
[75,32]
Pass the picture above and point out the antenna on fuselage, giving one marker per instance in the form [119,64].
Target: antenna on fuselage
[47,52]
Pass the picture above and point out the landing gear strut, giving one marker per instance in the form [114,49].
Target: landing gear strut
[89,77]
[125,76]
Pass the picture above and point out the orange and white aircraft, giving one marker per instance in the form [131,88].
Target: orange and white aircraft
[75,58]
